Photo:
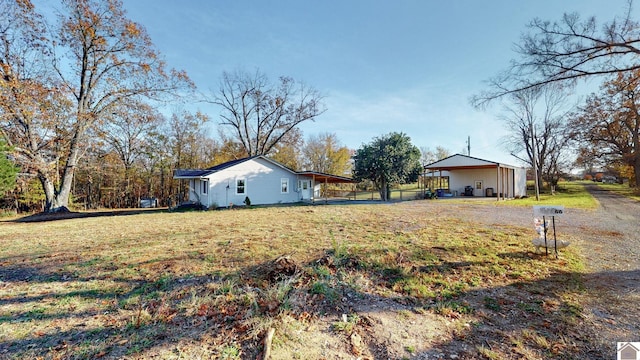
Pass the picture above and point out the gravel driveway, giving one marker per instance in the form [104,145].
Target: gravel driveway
[612,254]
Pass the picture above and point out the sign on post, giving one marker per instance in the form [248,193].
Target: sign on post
[548,210]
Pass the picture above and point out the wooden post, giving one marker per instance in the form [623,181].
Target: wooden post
[326,191]
[267,344]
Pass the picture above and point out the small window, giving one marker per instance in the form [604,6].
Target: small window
[284,186]
[205,186]
[240,186]
[303,185]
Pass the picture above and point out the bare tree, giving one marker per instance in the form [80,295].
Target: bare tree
[127,131]
[567,50]
[428,156]
[536,118]
[260,114]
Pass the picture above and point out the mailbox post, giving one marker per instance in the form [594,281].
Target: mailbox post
[549,211]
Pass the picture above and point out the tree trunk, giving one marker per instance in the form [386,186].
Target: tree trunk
[381,191]
[57,200]
[54,201]
[384,191]
[48,188]
[636,171]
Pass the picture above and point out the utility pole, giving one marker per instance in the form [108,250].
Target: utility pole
[468,145]
[535,161]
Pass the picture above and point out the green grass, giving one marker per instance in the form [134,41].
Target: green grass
[405,192]
[621,189]
[568,194]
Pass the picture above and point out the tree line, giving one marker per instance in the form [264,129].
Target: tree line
[79,119]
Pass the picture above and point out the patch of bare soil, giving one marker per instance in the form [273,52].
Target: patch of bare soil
[370,328]
[66,214]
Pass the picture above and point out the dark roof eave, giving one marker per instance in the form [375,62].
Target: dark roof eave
[328,177]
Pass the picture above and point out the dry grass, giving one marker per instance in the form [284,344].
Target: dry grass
[192,285]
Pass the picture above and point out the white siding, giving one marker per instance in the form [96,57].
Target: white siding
[262,184]
[513,181]
[520,175]
[458,179]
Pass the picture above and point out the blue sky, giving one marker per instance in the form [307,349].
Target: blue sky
[383,66]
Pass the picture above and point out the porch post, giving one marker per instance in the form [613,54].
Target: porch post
[498,183]
[326,191]
[502,188]
[509,187]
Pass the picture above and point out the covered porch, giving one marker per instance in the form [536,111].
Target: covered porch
[318,179]
[461,175]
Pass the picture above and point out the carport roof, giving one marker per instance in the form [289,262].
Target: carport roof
[327,178]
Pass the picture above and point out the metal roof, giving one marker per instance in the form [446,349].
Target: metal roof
[459,161]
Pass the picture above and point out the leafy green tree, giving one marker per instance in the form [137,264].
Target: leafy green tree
[8,170]
[388,160]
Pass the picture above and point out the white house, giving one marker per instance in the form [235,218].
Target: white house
[262,180]
[462,175]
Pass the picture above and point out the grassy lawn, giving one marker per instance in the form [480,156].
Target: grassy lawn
[401,192]
[204,284]
[570,194]
[621,189]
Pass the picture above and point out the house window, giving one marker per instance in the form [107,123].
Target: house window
[205,186]
[240,186]
[284,186]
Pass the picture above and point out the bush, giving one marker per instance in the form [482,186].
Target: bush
[247,201]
